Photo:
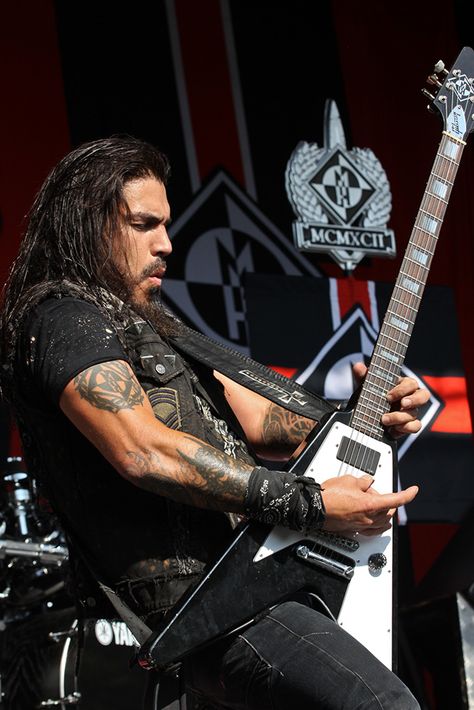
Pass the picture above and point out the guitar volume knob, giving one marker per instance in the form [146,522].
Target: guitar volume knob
[377,561]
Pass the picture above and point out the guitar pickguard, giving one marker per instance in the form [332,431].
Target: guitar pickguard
[371,584]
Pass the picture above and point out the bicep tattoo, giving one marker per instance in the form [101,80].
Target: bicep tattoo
[110,386]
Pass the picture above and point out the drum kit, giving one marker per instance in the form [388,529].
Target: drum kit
[48,657]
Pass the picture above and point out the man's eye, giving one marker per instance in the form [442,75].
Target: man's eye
[140,226]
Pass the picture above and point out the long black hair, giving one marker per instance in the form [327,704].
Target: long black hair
[71,226]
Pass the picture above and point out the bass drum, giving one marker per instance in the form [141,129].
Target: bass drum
[39,660]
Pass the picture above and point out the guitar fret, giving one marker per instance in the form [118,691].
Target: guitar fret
[425,235]
[448,158]
[398,315]
[369,419]
[446,161]
[415,261]
[376,391]
[389,337]
[373,426]
[386,382]
[407,290]
[379,367]
[437,196]
[428,212]
[442,177]
[375,409]
[404,304]
[434,207]
[368,429]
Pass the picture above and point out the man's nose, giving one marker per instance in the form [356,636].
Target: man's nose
[162,244]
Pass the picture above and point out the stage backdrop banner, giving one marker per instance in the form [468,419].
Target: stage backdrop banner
[313,330]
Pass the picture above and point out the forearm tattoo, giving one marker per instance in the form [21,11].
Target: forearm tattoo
[283,430]
[203,477]
[110,386]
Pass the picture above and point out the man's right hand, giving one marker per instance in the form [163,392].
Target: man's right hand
[352,505]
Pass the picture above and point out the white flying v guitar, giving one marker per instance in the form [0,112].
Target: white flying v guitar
[352,575]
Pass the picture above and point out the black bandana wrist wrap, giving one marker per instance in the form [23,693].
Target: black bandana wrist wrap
[278,498]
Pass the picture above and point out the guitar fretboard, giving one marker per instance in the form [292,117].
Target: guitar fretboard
[391,346]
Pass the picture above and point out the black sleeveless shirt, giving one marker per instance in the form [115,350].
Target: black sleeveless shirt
[129,537]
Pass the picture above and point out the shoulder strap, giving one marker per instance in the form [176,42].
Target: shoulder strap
[251,374]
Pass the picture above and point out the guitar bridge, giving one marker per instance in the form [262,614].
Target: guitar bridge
[333,563]
[345,543]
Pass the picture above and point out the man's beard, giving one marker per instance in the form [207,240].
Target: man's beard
[153,311]
[151,307]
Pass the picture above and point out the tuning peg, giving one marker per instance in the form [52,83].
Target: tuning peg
[434,81]
[439,68]
[428,95]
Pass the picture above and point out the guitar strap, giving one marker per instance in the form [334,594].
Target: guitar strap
[251,374]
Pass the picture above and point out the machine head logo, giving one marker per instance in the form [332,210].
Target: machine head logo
[341,198]
[220,238]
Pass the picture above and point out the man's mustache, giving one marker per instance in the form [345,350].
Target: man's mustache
[158,266]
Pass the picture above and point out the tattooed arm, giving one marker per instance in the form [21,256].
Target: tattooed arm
[107,404]
[273,431]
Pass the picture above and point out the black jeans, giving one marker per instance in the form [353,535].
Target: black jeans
[295,658]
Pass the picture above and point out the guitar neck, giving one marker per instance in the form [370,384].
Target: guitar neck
[392,343]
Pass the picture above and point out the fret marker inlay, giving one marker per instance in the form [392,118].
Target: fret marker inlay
[440,189]
[389,356]
[420,256]
[410,285]
[451,150]
[428,224]
[399,323]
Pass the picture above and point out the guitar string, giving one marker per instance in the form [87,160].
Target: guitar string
[435,207]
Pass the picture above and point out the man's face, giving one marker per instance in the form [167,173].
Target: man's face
[143,245]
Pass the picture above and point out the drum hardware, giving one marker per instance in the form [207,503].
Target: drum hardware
[42,552]
[58,636]
[72,699]
[38,622]
[33,550]
[19,494]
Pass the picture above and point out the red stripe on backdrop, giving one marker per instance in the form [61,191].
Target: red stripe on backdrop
[209,88]
[455,418]
[286,371]
[35,131]
[350,292]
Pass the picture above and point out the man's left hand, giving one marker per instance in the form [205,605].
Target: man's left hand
[407,397]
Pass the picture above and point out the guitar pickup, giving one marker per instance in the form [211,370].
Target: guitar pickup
[358,455]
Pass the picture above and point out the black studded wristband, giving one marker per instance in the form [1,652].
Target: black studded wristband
[280,498]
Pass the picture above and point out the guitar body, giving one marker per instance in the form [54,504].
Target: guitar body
[265,566]
[372,584]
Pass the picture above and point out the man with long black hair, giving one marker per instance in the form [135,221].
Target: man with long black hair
[144,452]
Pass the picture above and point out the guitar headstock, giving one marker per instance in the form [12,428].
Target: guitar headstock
[455,97]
